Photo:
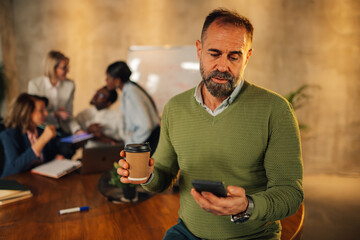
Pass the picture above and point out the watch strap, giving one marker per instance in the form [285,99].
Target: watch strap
[244,216]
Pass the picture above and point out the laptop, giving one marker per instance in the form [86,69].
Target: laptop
[100,159]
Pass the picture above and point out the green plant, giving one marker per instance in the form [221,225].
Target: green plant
[299,97]
[115,178]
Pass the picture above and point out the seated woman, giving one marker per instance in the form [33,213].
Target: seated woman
[25,144]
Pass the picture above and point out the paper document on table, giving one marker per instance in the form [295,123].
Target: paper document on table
[56,168]
[12,191]
[11,188]
[15,199]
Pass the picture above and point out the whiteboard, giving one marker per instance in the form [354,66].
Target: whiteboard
[164,71]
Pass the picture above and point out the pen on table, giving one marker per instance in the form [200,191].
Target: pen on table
[75,209]
[44,126]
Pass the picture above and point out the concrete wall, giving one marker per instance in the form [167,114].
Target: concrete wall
[8,54]
[295,43]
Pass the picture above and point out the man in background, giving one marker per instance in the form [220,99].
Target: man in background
[100,120]
[229,130]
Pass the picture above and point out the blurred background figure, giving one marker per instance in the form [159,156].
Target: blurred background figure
[27,141]
[57,88]
[100,120]
[141,122]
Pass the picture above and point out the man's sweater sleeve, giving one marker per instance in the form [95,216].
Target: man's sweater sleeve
[284,170]
[166,165]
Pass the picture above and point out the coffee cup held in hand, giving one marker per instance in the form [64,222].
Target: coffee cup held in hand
[137,156]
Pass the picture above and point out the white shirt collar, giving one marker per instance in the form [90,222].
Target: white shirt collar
[224,104]
[49,85]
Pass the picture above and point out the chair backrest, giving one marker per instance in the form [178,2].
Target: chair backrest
[293,226]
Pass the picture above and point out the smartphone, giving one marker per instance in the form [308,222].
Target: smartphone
[216,188]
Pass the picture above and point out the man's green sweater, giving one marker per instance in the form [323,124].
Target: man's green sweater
[254,144]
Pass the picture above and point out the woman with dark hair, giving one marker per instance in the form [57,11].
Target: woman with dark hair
[141,122]
[25,144]
[60,90]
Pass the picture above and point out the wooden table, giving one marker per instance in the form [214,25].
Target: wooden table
[38,217]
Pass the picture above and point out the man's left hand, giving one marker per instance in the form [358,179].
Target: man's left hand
[235,202]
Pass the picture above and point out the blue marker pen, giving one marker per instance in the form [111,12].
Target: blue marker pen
[75,209]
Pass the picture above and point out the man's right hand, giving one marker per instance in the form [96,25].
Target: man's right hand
[124,166]
[96,129]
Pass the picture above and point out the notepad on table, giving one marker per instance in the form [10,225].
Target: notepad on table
[12,191]
[56,168]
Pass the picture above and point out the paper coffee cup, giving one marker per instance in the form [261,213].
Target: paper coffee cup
[137,156]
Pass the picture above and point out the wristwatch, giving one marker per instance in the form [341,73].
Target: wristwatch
[244,216]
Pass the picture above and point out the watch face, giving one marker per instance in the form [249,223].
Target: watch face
[240,218]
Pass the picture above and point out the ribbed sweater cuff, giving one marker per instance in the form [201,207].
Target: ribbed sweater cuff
[259,207]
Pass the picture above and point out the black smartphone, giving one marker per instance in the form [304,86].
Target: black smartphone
[216,188]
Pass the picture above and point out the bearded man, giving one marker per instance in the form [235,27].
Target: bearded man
[229,130]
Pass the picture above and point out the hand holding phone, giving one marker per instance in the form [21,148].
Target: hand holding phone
[216,188]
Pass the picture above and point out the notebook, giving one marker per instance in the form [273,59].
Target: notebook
[56,168]
[100,159]
[12,191]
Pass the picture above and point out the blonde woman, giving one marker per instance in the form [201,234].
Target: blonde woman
[25,144]
[57,88]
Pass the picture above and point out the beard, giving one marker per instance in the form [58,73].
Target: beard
[219,89]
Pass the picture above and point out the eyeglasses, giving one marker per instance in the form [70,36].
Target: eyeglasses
[64,68]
